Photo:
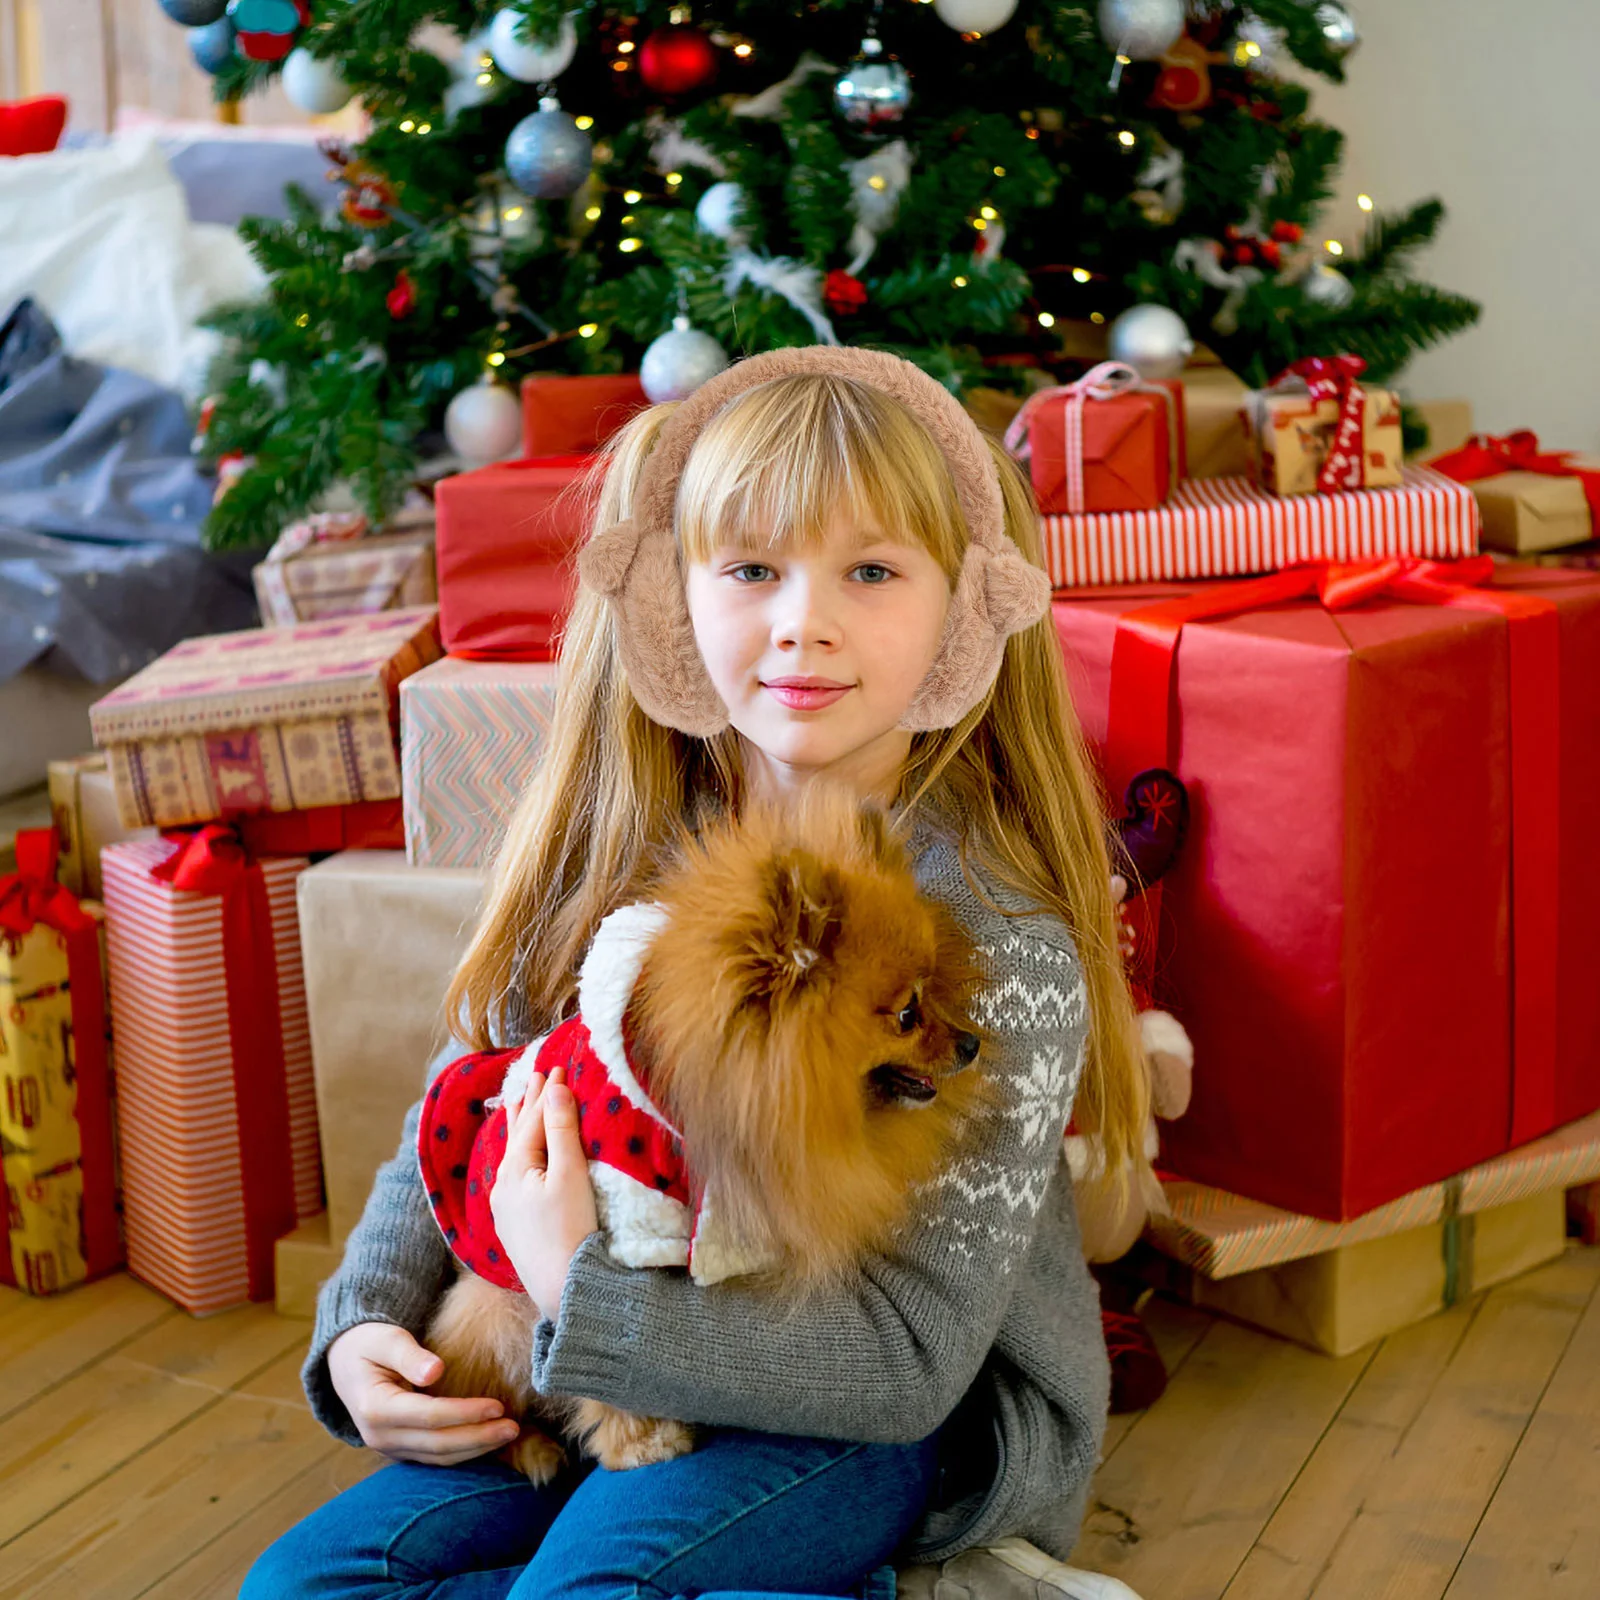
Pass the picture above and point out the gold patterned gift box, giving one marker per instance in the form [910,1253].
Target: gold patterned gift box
[334,565]
[1295,432]
[276,719]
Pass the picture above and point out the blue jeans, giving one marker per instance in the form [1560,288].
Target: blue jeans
[744,1514]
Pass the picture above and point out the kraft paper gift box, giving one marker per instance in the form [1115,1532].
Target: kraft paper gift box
[331,565]
[1220,527]
[507,548]
[375,1003]
[1293,434]
[56,1136]
[471,734]
[83,805]
[216,1100]
[1216,431]
[1527,512]
[274,719]
[1377,934]
[1337,1286]
[574,414]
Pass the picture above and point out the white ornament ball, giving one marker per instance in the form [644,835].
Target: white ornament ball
[484,423]
[1338,28]
[527,60]
[1153,339]
[1327,287]
[975,16]
[718,211]
[314,85]
[1142,30]
[677,363]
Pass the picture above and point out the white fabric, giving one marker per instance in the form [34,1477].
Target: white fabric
[101,238]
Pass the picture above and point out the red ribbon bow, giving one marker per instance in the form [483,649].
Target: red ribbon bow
[1142,731]
[1487,455]
[31,895]
[1335,378]
[213,860]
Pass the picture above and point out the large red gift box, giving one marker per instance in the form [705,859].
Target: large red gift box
[572,414]
[1377,999]
[508,539]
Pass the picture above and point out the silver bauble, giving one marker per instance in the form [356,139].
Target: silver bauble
[529,60]
[194,13]
[212,45]
[677,363]
[484,423]
[1151,338]
[1327,287]
[313,84]
[718,212]
[548,155]
[975,16]
[874,92]
[1142,30]
[1338,28]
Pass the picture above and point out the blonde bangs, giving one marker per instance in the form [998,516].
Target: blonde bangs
[772,468]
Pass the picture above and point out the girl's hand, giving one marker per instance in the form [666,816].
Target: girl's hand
[377,1368]
[543,1201]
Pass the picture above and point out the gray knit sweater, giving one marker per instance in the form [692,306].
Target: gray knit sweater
[985,1314]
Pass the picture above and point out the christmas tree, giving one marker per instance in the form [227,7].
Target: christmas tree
[555,185]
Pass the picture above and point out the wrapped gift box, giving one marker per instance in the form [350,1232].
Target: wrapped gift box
[508,540]
[568,415]
[61,1225]
[215,1091]
[1216,426]
[1338,931]
[1215,527]
[83,805]
[330,566]
[1529,512]
[375,1004]
[471,734]
[1294,433]
[276,719]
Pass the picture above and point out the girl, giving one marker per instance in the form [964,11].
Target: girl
[808,515]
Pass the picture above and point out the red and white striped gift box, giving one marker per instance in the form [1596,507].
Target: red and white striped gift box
[1228,527]
[183,1179]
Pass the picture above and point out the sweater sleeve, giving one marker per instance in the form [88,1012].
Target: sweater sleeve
[888,1359]
[395,1267]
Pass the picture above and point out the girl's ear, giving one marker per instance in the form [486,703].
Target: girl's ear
[604,561]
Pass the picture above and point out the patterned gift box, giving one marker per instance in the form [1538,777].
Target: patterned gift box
[216,1098]
[1294,434]
[55,1081]
[1221,527]
[471,733]
[276,719]
[83,806]
[331,566]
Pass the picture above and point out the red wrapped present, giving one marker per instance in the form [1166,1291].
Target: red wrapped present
[508,538]
[216,1099]
[566,415]
[1109,442]
[1379,934]
[61,1224]
[323,830]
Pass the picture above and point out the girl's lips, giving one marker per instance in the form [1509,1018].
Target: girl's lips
[805,699]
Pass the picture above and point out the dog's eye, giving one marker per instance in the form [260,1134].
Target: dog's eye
[910,1017]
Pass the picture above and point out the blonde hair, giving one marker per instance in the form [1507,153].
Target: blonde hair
[614,788]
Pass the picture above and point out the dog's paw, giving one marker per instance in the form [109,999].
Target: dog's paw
[536,1456]
[620,1441]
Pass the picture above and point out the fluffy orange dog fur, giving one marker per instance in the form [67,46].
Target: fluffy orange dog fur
[803,1020]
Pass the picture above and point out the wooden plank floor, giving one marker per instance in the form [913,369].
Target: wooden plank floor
[144,1453]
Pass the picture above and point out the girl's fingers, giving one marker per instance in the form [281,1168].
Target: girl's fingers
[519,1115]
[449,1447]
[394,1407]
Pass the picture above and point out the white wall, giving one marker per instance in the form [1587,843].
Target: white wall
[1494,107]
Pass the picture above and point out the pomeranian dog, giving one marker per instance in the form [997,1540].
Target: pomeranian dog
[769,1058]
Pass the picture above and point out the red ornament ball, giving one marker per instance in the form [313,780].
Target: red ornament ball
[842,293]
[677,59]
[402,299]
[1288,232]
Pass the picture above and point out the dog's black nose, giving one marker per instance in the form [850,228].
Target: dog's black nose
[966,1047]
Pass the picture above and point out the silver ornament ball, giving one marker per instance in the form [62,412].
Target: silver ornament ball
[212,45]
[548,155]
[1327,287]
[1142,30]
[484,423]
[873,94]
[677,363]
[1151,338]
[531,60]
[1338,28]
[194,13]
[314,85]
[975,16]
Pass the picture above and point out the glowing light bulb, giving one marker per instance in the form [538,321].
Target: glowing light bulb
[980,224]
[1046,320]
[593,213]
[1334,248]
[588,330]
[960,283]
[497,358]
[408,126]
[877,181]
[1364,201]
[1081,274]
[626,48]
[303,320]
[674,178]
[999,172]
[628,246]
[424,127]
[511,213]
[629,220]
[1126,139]
[485,79]
[632,196]
[583,122]
[743,50]
[988,212]
[1097,316]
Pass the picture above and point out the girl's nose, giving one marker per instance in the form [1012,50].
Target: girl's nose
[803,615]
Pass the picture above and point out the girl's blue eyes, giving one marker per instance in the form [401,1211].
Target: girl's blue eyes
[866,566]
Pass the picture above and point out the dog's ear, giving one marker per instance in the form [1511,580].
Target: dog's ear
[804,903]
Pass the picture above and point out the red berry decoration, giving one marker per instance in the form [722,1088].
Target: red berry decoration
[402,299]
[1271,253]
[1288,232]
[842,294]
[1243,255]
[677,59]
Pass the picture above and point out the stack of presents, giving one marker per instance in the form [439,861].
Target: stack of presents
[1377,933]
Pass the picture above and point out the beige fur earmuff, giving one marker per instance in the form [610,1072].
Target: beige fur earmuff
[635,564]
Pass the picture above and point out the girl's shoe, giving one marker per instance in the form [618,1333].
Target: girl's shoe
[1013,1569]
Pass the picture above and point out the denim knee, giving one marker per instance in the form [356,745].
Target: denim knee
[285,1570]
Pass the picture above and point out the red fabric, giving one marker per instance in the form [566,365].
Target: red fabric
[366,825]
[574,415]
[29,897]
[1340,935]
[32,127]
[1128,446]
[1485,456]
[506,549]
[460,1142]
[213,861]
